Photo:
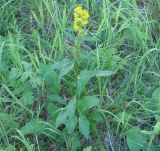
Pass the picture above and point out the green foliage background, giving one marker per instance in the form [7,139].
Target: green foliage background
[114,104]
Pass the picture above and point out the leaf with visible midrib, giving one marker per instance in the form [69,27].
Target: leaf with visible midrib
[68,111]
[87,102]
[84,126]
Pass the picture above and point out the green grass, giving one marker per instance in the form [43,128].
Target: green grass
[113,105]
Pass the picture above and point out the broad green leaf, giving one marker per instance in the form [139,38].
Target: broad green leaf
[61,118]
[53,111]
[136,140]
[157,128]
[64,66]
[51,78]
[67,112]
[73,142]
[43,69]
[33,127]
[84,126]
[71,123]
[87,102]
[95,117]
[57,99]
[151,104]
[93,126]
[71,107]
[91,38]
[52,108]
[85,76]
[53,82]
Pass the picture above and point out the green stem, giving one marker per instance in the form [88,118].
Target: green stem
[77,64]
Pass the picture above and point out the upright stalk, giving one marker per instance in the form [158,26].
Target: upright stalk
[77,64]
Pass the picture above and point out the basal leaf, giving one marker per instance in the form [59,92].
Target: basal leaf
[67,112]
[51,78]
[71,123]
[33,127]
[136,140]
[71,107]
[87,102]
[75,142]
[84,126]
[61,118]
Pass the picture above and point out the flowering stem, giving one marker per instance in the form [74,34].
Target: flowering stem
[77,63]
[81,19]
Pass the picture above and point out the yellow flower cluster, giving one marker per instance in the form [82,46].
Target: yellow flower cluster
[81,17]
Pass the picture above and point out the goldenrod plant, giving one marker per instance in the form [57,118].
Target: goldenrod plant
[81,19]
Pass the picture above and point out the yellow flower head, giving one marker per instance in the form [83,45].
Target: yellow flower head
[81,17]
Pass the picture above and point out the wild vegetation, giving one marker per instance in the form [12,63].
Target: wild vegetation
[79,75]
